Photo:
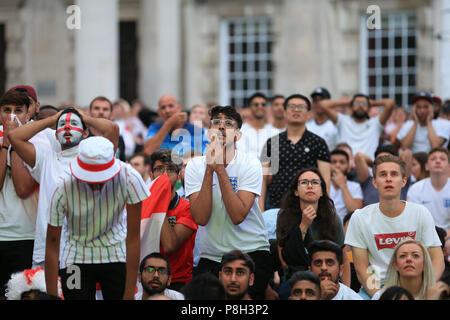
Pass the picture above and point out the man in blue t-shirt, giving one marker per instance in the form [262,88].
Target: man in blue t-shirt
[175,132]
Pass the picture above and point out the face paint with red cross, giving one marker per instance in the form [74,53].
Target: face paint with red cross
[69,130]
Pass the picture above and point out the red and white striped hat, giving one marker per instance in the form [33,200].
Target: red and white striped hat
[95,162]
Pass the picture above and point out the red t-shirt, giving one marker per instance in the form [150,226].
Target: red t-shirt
[182,260]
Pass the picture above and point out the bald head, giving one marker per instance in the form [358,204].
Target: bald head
[168,106]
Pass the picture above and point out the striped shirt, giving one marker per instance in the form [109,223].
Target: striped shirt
[96,228]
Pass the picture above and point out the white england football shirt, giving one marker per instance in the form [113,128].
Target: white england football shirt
[220,235]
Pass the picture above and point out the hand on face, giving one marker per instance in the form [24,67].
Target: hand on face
[215,150]
[338,178]
[178,119]
[8,126]
[329,289]
[308,216]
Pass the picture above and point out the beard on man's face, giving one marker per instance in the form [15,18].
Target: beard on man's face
[151,290]
[360,114]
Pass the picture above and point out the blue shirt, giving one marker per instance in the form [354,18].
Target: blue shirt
[188,138]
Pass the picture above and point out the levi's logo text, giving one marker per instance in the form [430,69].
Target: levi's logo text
[390,240]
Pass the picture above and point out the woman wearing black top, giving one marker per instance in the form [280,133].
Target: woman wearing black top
[307,214]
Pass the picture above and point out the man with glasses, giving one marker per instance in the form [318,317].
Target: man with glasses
[286,153]
[155,277]
[257,130]
[223,188]
[179,228]
[358,130]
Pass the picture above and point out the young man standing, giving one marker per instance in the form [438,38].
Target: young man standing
[98,243]
[18,194]
[256,131]
[321,124]
[374,231]
[434,192]
[358,130]
[347,195]
[286,153]
[237,274]
[327,265]
[47,165]
[277,112]
[223,188]
[140,163]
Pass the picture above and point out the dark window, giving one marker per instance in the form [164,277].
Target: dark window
[2,59]
[128,69]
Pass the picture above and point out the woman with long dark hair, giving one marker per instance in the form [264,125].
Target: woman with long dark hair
[307,214]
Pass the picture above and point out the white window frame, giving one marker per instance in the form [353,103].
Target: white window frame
[397,26]
[265,76]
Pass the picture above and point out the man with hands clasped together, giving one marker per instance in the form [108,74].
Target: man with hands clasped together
[223,188]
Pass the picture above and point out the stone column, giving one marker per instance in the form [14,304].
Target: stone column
[444,77]
[159,50]
[97,51]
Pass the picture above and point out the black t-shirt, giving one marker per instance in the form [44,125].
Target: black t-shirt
[291,159]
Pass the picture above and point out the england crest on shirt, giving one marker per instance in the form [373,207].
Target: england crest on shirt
[446,202]
[234,183]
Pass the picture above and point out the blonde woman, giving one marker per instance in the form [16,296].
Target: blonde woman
[410,268]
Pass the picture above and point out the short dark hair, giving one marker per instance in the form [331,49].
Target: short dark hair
[47,106]
[238,255]
[15,98]
[75,111]
[253,96]
[140,154]
[325,245]
[344,145]
[297,96]
[228,111]
[156,255]
[101,98]
[347,218]
[204,287]
[395,293]
[277,96]
[304,276]
[386,148]
[165,156]
[340,152]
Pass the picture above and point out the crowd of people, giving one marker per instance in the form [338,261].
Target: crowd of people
[293,198]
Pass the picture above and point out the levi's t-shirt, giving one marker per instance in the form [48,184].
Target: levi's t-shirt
[370,229]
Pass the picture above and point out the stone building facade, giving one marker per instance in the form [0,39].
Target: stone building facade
[219,51]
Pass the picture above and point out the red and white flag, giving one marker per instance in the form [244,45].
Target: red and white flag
[154,210]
